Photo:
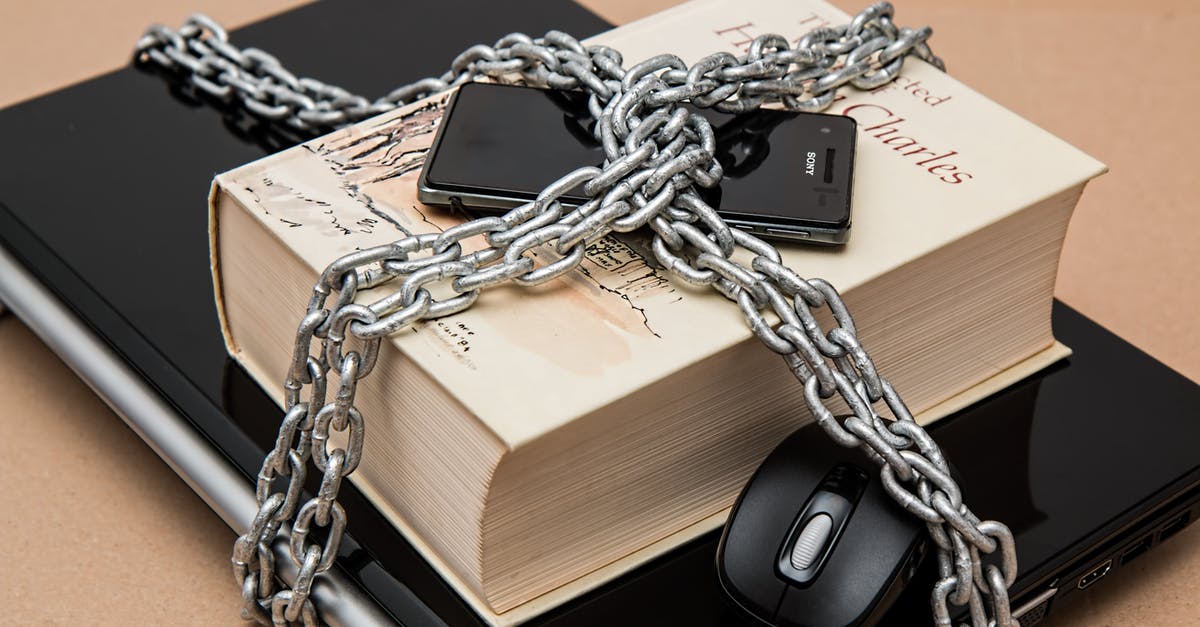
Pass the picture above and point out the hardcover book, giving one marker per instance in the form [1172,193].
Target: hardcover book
[548,439]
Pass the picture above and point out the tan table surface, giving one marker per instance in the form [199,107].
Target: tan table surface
[97,530]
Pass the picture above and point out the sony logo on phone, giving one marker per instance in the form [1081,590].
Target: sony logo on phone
[810,164]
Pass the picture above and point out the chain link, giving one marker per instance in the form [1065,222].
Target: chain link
[656,154]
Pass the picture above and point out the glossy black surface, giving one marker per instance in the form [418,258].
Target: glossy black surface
[484,143]
[484,147]
[102,196]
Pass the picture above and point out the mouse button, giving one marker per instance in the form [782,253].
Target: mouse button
[745,572]
[863,571]
[811,541]
[814,533]
[768,506]
[751,539]
[819,525]
[760,598]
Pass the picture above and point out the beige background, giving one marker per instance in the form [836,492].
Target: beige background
[98,531]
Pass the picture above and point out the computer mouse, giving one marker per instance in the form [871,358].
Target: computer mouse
[814,539]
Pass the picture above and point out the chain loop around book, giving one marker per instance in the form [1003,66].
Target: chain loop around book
[656,154]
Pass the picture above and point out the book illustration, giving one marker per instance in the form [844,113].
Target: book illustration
[375,166]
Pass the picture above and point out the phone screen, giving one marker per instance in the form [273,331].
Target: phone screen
[781,168]
[514,140]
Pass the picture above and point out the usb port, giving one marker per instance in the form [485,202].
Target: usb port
[1175,526]
[1095,574]
[1139,547]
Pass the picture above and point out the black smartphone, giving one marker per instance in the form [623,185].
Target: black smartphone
[787,175]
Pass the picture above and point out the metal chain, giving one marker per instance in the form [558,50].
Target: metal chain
[656,154]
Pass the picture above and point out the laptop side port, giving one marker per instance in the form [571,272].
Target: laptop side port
[1095,574]
[1033,611]
[1175,526]
[1139,547]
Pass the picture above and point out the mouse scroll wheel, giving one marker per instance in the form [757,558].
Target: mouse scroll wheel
[811,541]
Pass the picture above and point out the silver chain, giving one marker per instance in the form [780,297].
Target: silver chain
[656,153]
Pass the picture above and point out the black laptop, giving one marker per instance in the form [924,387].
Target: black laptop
[104,253]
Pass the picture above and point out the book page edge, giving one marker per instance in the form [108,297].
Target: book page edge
[1032,364]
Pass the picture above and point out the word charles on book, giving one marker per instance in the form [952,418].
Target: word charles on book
[875,120]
